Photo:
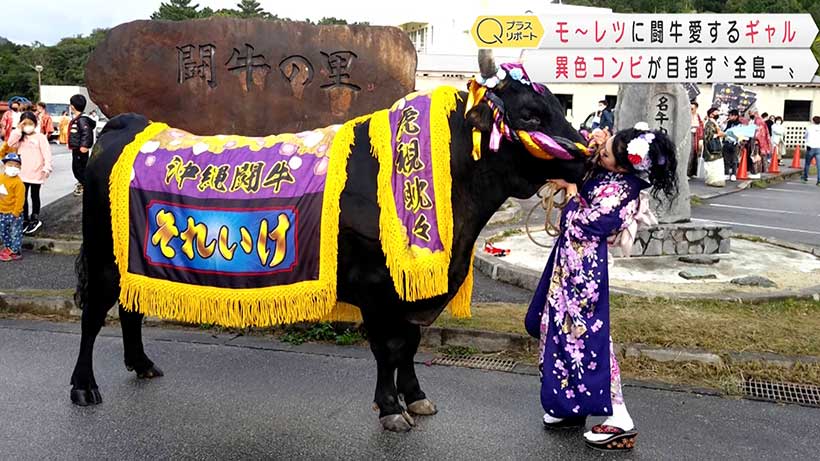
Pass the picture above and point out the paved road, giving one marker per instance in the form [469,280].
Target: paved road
[62,180]
[233,399]
[789,211]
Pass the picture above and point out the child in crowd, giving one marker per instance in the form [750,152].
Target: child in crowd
[12,196]
[35,152]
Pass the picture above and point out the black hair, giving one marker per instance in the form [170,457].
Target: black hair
[663,174]
[711,111]
[734,112]
[816,120]
[42,104]
[603,101]
[694,103]
[78,102]
[764,114]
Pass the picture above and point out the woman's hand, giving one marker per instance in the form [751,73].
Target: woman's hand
[570,188]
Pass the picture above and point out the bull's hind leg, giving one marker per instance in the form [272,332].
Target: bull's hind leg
[406,380]
[386,342]
[96,296]
[135,358]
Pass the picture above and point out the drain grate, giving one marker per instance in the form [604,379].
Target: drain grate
[472,361]
[803,394]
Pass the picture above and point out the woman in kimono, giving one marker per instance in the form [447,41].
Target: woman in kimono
[570,310]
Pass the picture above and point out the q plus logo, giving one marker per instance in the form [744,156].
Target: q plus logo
[507,31]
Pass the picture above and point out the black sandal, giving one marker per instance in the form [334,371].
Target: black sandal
[618,440]
[575,422]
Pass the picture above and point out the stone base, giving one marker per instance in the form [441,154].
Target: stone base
[681,239]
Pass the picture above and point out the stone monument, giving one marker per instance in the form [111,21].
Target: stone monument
[249,77]
[665,106]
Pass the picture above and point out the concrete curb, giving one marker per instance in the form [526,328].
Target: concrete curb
[746,184]
[512,213]
[484,341]
[780,243]
[48,245]
[498,269]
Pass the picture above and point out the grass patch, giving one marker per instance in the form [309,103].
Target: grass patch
[505,234]
[760,184]
[782,327]
[458,351]
[321,332]
[695,200]
[726,378]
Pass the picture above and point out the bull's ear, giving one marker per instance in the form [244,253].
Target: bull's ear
[480,117]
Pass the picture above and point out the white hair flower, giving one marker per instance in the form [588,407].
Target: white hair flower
[637,150]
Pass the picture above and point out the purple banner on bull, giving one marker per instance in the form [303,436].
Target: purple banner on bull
[412,175]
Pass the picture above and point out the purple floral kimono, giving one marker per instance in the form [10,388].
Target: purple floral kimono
[570,310]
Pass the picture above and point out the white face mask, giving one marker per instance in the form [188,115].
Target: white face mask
[12,171]
[28,129]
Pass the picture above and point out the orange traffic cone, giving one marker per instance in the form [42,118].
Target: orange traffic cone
[814,160]
[796,158]
[774,167]
[741,170]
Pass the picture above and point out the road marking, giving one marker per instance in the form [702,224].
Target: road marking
[759,226]
[720,205]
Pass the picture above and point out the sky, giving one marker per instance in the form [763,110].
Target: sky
[55,19]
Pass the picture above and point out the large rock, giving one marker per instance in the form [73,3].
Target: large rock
[249,77]
[662,106]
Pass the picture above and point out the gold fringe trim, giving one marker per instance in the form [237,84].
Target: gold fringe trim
[459,307]
[304,301]
[417,274]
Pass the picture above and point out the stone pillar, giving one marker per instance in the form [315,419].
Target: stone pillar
[662,106]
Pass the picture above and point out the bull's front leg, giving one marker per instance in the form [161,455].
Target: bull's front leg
[387,344]
[406,380]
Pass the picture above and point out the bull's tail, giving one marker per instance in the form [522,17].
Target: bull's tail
[81,269]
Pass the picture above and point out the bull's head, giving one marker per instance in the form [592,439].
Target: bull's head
[525,122]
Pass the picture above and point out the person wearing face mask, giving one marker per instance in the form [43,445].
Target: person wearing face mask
[713,163]
[604,119]
[12,196]
[33,148]
[80,140]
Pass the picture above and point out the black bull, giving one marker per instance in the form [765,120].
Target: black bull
[393,325]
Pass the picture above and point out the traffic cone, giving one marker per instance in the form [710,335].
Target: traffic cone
[796,158]
[774,168]
[741,169]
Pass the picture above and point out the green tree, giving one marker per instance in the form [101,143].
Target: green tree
[251,9]
[177,10]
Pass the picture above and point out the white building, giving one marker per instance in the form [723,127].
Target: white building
[447,56]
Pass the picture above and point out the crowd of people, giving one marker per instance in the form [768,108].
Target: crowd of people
[27,165]
[722,139]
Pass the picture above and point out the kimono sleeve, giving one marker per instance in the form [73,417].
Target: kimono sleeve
[603,215]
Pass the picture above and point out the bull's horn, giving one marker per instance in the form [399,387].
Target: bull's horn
[486,63]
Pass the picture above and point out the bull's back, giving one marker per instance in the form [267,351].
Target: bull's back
[118,133]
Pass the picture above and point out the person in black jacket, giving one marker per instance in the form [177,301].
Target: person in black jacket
[80,140]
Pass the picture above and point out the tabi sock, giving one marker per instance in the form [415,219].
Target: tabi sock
[620,418]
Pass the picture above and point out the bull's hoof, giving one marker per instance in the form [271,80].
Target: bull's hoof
[85,397]
[397,423]
[423,407]
[152,372]
[149,372]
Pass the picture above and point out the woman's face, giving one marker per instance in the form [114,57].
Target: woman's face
[606,158]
